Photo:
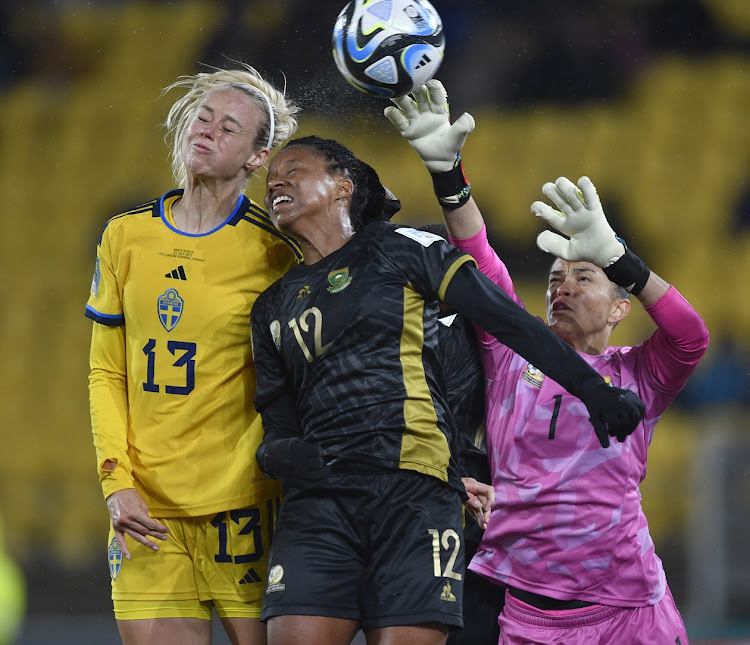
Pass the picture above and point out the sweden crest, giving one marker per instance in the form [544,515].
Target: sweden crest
[114,555]
[169,306]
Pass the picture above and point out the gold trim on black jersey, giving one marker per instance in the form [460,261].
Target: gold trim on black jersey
[451,272]
[424,447]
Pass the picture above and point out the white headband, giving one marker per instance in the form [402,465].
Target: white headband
[254,90]
[271,131]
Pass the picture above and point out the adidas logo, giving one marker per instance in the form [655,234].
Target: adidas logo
[177,274]
[423,61]
[250,577]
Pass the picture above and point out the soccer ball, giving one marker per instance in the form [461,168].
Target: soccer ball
[388,48]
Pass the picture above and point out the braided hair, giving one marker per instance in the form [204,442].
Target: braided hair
[368,197]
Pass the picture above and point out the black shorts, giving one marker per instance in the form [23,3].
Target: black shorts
[384,549]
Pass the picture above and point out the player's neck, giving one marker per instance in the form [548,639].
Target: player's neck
[592,344]
[321,235]
[202,208]
[317,247]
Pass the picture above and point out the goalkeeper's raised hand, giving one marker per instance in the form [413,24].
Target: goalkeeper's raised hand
[581,218]
[424,121]
[590,238]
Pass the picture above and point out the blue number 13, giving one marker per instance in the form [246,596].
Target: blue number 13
[186,360]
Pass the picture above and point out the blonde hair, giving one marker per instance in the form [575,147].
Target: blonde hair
[272,132]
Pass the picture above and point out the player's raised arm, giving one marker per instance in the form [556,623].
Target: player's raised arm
[423,119]
[582,234]
[588,237]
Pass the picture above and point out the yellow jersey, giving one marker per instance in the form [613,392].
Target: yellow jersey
[172,378]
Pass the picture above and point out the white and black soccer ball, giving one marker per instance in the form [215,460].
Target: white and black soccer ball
[387,48]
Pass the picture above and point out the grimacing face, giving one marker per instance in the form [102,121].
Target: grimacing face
[581,301]
[298,183]
[219,142]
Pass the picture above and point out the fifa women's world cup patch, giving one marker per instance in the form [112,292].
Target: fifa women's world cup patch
[425,238]
[533,375]
[275,328]
[96,279]
[114,555]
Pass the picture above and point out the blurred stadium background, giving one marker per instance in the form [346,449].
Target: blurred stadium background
[650,98]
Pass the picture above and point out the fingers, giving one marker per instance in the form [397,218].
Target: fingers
[481,499]
[553,217]
[600,428]
[407,105]
[555,244]
[464,124]
[550,190]
[129,515]
[570,194]
[589,194]
[395,116]
[140,529]
[632,409]
[139,534]
[476,510]
[123,544]
[436,95]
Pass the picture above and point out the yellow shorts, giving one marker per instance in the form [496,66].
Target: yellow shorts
[218,560]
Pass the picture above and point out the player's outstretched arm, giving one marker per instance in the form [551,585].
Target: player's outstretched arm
[423,119]
[613,412]
[590,238]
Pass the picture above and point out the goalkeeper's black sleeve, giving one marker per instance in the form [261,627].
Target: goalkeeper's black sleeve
[612,411]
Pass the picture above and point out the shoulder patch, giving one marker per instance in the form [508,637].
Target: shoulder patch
[423,237]
[96,279]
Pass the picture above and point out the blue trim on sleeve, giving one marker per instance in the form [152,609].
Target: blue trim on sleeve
[104,319]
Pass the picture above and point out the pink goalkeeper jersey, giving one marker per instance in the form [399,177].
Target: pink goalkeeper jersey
[567,520]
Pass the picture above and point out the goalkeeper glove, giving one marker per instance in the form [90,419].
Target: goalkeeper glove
[614,412]
[424,122]
[295,462]
[590,237]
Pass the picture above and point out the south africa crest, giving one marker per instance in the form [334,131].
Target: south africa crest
[339,279]
[169,306]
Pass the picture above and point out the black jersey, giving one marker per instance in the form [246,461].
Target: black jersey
[465,386]
[354,336]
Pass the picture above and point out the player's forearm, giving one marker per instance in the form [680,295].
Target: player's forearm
[655,288]
[465,221]
[681,327]
[109,407]
[472,294]
[280,419]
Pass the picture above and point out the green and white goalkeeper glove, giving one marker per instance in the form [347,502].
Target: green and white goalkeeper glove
[590,238]
[424,121]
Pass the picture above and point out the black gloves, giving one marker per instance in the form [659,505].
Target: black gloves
[614,412]
[294,461]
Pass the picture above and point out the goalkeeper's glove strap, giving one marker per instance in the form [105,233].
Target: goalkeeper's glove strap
[629,272]
[452,188]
